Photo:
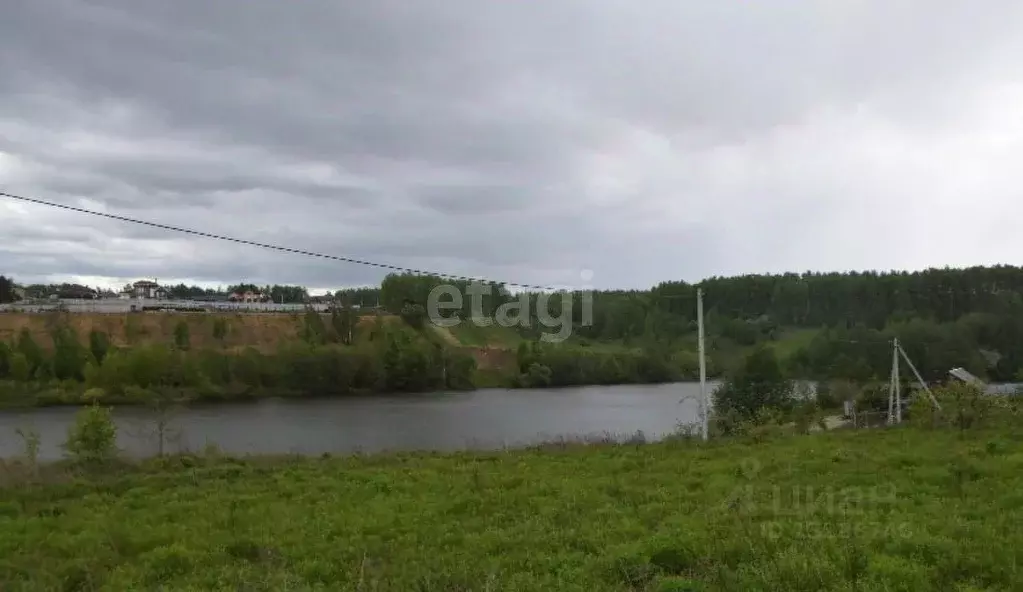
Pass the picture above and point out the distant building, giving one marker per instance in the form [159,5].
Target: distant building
[248,296]
[145,289]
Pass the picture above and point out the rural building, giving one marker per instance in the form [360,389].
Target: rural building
[145,289]
[248,296]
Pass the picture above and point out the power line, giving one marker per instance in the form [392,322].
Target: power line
[264,245]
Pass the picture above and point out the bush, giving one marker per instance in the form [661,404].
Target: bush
[756,384]
[182,336]
[92,439]
[963,406]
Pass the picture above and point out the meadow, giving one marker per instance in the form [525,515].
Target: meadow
[904,508]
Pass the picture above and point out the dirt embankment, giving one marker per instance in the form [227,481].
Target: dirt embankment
[262,331]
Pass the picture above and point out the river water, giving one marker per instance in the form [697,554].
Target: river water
[482,419]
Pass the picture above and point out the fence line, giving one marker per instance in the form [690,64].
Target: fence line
[121,306]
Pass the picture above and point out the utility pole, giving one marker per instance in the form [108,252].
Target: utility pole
[898,385]
[351,321]
[893,382]
[704,406]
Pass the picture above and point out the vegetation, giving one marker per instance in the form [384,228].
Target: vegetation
[820,326]
[826,325]
[760,511]
[7,294]
[327,362]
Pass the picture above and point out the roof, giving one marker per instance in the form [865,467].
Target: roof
[145,283]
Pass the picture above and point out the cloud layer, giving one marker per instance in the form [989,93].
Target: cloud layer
[522,142]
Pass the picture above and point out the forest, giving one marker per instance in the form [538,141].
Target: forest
[944,318]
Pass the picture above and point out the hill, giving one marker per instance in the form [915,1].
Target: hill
[264,332]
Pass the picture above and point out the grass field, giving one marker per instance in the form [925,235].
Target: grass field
[899,509]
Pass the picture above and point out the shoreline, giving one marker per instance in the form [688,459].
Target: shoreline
[32,401]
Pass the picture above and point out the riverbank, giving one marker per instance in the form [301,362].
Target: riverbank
[897,509]
[66,359]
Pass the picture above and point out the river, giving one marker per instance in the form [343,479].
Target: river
[482,419]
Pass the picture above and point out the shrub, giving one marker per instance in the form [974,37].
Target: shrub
[92,439]
[756,384]
[182,338]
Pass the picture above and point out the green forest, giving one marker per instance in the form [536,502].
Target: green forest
[824,325]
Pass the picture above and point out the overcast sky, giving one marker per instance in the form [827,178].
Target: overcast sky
[518,141]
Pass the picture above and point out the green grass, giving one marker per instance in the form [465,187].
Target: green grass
[792,340]
[867,510]
[471,335]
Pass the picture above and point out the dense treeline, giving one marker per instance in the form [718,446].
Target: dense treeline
[543,365]
[969,317]
[391,358]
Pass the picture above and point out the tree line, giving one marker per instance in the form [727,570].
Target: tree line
[970,317]
[392,358]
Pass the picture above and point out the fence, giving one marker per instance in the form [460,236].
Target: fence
[122,306]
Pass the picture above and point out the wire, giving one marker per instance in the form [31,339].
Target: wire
[266,245]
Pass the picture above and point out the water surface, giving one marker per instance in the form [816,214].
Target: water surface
[486,418]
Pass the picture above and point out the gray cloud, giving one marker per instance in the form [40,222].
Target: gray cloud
[643,141]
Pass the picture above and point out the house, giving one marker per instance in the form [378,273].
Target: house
[248,296]
[146,289]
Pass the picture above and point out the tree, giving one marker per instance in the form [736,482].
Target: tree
[7,293]
[343,323]
[757,384]
[20,368]
[99,345]
[69,357]
[220,329]
[182,338]
[92,439]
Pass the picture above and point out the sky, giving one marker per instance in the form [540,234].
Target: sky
[613,144]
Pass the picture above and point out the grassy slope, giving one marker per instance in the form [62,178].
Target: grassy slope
[912,510]
[267,331]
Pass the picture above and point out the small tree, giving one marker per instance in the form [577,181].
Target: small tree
[414,315]
[20,369]
[756,384]
[164,403]
[313,330]
[963,406]
[30,438]
[92,439]
[99,345]
[182,337]
[220,329]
